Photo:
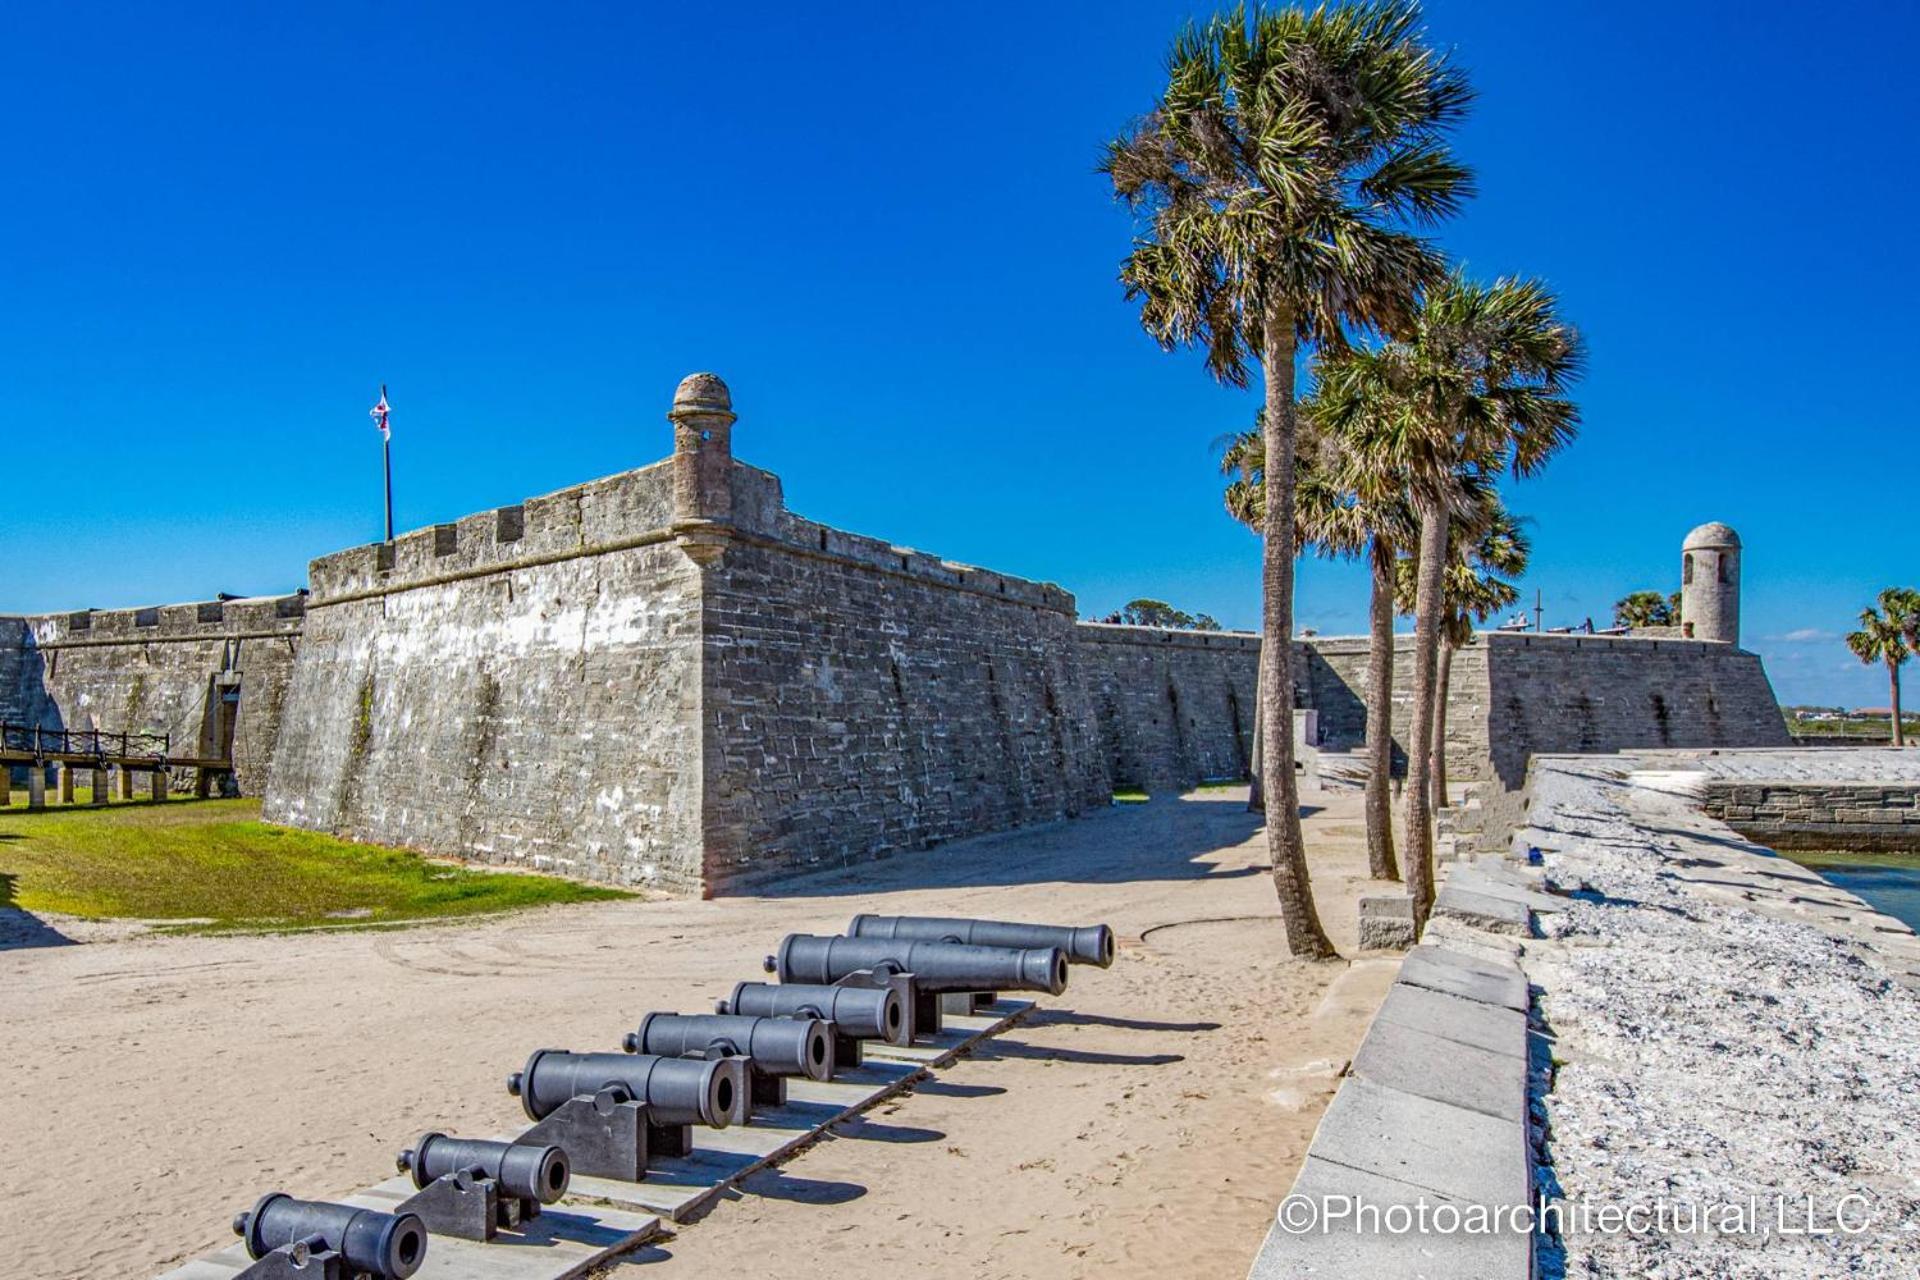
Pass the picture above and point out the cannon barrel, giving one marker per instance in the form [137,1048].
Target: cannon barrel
[674,1090]
[1089,944]
[390,1246]
[522,1169]
[859,1013]
[776,1046]
[935,966]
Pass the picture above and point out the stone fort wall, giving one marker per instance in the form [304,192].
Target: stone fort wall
[172,669]
[520,687]
[1169,709]
[1513,694]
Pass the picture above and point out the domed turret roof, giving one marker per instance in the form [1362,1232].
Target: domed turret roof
[1712,534]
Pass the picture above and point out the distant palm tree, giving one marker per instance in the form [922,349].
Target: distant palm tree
[1280,176]
[1888,634]
[1478,388]
[1646,609]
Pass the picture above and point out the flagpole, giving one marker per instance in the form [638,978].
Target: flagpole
[386,457]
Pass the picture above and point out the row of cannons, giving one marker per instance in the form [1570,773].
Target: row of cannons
[889,979]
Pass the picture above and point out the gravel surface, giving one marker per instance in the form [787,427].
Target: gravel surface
[1726,1044]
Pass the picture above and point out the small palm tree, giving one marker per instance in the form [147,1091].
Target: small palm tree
[1478,388]
[1280,179]
[1887,634]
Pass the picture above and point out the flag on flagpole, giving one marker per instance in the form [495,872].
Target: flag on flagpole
[379,414]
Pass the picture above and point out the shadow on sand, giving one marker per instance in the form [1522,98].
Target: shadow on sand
[1163,839]
[20,929]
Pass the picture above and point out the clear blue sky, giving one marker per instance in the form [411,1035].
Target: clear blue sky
[225,224]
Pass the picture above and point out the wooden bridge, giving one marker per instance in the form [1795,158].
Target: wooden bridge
[104,754]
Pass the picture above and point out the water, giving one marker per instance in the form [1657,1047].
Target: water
[1888,882]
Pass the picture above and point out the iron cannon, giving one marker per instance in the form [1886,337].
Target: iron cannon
[1089,944]
[857,1013]
[301,1238]
[674,1091]
[935,966]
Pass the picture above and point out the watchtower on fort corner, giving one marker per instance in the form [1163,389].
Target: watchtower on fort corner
[1710,584]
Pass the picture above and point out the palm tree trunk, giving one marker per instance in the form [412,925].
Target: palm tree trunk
[1426,645]
[1285,844]
[1442,684]
[1256,794]
[1899,731]
[1381,864]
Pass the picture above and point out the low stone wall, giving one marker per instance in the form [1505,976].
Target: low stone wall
[1802,815]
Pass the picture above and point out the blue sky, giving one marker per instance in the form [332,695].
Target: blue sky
[224,225]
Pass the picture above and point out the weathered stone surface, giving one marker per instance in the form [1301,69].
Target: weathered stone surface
[1386,922]
[1439,969]
[1343,1248]
[1442,1069]
[1470,1022]
[1483,911]
[1818,814]
[1172,708]
[1434,1146]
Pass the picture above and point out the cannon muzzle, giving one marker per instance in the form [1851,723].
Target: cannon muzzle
[674,1090]
[858,1013]
[522,1169]
[1089,944]
[775,1046]
[935,966]
[389,1246]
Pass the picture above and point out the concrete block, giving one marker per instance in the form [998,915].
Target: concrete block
[1471,1022]
[1386,922]
[1483,911]
[1339,1246]
[1429,1066]
[1489,982]
[1434,1146]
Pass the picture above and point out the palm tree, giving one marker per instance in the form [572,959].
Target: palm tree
[1886,635]
[1280,177]
[1477,389]
[1344,510]
[1487,547]
[1646,609]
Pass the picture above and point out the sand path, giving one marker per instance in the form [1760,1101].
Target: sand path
[1148,1121]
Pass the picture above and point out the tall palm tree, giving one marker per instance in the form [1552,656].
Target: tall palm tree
[1487,547]
[1477,388]
[1280,179]
[1886,635]
[1343,510]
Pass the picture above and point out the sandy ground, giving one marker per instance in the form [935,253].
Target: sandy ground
[1148,1120]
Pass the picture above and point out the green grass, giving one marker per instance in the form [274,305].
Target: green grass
[1852,858]
[213,865]
[1130,795]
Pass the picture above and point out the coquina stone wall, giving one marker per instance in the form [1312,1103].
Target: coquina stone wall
[861,697]
[1872,817]
[1585,694]
[1331,674]
[520,687]
[1169,709]
[197,672]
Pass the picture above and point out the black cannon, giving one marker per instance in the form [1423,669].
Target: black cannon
[858,1014]
[1090,944]
[936,969]
[314,1240]
[935,966]
[613,1112]
[473,1187]
[774,1048]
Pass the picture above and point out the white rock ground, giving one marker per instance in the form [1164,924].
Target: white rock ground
[1728,1029]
